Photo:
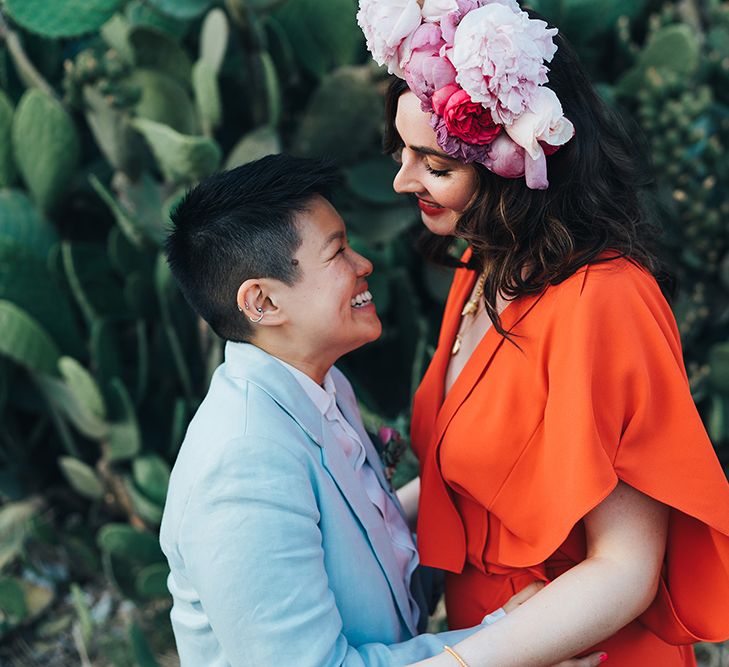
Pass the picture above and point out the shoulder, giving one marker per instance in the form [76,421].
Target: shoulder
[617,288]
[617,276]
[238,429]
[231,476]
[613,310]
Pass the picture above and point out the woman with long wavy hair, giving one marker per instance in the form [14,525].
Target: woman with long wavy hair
[555,428]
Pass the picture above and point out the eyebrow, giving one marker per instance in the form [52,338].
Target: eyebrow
[424,150]
[335,236]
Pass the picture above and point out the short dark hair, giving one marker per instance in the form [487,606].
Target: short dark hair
[241,224]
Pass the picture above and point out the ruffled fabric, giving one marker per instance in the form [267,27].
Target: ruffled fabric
[530,439]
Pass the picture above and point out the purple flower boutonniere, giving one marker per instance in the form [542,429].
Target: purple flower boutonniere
[392,446]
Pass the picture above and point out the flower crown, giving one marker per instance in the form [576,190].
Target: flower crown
[478,68]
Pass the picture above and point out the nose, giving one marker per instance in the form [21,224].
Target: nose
[405,180]
[363,266]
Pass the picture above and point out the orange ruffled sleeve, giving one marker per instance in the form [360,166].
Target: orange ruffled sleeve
[618,406]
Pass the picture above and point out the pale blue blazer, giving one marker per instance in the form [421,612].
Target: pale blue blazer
[277,556]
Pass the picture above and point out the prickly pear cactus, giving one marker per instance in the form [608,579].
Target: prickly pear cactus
[182,158]
[104,69]
[677,90]
[61,18]
[102,362]
[45,146]
[7,163]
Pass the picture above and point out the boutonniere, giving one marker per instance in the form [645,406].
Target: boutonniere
[392,446]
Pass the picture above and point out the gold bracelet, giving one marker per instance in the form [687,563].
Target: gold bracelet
[451,652]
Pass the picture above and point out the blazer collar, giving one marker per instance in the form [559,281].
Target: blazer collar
[246,361]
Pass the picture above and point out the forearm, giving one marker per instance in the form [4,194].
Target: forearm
[626,538]
[586,604]
[409,495]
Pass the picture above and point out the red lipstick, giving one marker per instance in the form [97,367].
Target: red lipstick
[429,209]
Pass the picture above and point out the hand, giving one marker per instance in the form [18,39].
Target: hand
[523,595]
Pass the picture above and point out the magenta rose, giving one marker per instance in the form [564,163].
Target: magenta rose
[464,118]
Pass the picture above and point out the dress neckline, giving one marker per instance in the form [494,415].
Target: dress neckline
[450,337]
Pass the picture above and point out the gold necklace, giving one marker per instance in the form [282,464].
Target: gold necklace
[471,308]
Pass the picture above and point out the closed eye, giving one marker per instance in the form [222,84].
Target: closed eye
[437,172]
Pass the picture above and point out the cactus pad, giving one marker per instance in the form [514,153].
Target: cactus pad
[7,164]
[25,342]
[181,158]
[45,145]
[181,9]
[61,18]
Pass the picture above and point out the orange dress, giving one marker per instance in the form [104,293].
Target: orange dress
[531,438]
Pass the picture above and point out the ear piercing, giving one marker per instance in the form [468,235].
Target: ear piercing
[260,310]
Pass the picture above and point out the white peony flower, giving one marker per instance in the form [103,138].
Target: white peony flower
[386,24]
[511,4]
[499,56]
[544,122]
[435,10]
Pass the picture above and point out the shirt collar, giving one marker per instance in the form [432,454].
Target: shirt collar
[322,397]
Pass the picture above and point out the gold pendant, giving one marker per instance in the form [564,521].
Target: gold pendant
[456,346]
[470,308]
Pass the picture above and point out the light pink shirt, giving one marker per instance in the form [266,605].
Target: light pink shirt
[324,398]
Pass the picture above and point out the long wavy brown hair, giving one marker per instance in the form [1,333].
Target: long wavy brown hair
[525,240]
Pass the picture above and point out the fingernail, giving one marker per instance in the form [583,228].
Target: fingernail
[603,657]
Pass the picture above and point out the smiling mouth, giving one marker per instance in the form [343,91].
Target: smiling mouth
[429,207]
[362,299]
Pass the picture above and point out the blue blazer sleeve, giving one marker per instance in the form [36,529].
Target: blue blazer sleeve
[252,548]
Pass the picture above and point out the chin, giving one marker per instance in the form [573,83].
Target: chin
[377,332]
[443,225]
[373,333]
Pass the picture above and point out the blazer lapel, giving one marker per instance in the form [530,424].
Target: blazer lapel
[379,537]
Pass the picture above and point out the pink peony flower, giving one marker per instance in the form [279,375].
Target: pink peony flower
[449,22]
[505,158]
[499,56]
[543,124]
[425,70]
[464,118]
[386,24]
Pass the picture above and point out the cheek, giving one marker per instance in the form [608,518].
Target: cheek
[463,193]
[337,285]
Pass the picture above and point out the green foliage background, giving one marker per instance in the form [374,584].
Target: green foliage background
[109,109]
